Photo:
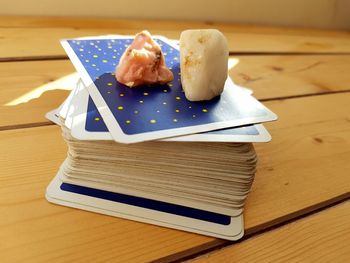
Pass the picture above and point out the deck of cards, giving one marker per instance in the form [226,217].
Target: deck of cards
[150,155]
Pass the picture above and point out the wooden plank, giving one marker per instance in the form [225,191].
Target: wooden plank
[19,42]
[310,145]
[40,42]
[33,88]
[282,76]
[139,24]
[93,22]
[322,237]
[30,89]
[302,169]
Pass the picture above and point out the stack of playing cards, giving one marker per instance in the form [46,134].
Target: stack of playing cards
[149,154]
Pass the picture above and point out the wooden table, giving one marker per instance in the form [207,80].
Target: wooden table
[298,209]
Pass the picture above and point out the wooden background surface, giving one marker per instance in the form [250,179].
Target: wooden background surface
[298,209]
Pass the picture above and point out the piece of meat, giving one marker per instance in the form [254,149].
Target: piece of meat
[143,63]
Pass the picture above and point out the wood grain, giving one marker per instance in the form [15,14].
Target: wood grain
[322,237]
[273,77]
[20,42]
[30,89]
[303,168]
[310,144]
[139,24]
[91,22]
[269,77]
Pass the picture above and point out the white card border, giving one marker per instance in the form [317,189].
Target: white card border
[55,194]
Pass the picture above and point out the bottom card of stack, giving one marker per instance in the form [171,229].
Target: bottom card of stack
[171,196]
[145,210]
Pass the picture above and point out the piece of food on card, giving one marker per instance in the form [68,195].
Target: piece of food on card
[143,63]
[203,63]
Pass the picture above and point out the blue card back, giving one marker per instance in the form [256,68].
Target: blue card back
[95,123]
[156,108]
[148,203]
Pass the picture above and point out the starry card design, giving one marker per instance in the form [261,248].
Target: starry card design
[145,210]
[158,111]
[88,124]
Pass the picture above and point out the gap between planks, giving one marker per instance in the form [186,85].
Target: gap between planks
[220,244]
[26,125]
[33,58]
[305,95]
[237,53]
[303,239]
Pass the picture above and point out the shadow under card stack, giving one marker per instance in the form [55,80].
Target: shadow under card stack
[149,154]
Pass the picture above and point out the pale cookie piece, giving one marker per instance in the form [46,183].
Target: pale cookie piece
[203,63]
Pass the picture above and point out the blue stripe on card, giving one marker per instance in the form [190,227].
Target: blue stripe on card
[149,204]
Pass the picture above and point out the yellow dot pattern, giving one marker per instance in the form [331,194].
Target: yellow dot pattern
[175,103]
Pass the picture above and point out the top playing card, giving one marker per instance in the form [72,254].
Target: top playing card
[158,111]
